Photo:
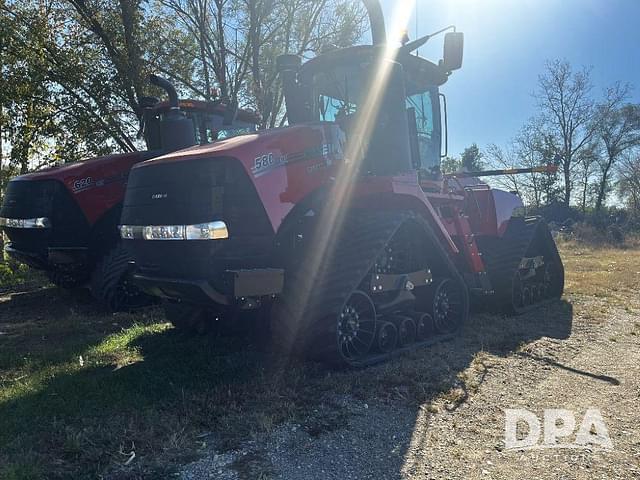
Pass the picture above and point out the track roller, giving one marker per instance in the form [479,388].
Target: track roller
[386,337]
[406,330]
[424,325]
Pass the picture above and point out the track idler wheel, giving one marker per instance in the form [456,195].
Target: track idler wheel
[406,330]
[449,310]
[356,327]
[386,336]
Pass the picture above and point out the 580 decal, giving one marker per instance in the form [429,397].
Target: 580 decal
[263,161]
[267,162]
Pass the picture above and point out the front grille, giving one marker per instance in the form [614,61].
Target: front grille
[191,192]
[43,198]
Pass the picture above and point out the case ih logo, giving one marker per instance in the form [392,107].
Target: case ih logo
[158,196]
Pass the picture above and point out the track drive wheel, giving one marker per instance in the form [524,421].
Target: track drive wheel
[450,309]
[111,284]
[356,327]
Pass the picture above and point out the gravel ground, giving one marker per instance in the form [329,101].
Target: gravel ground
[459,434]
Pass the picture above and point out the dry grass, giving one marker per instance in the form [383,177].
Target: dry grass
[605,272]
[80,390]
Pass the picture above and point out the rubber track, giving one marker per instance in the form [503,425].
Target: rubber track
[106,277]
[302,327]
[502,256]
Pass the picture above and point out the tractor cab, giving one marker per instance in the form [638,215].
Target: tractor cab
[210,121]
[385,99]
[174,124]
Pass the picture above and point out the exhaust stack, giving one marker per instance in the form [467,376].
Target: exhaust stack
[167,87]
[376,20]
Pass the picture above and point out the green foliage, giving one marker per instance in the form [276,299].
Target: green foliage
[450,165]
[13,274]
[471,159]
[73,70]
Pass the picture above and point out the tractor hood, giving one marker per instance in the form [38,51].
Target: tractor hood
[282,164]
[94,168]
[95,186]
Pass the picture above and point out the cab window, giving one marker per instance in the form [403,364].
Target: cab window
[428,145]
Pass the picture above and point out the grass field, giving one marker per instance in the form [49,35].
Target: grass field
[85,394]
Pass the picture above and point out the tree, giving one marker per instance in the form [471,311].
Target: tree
[471,158]
[73,72]
[237,41]
[617,125]
[528,149]
[566,110]
[629,182]
[587,164]
[450,165]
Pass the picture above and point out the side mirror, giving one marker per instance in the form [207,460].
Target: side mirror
[453,48]
[230,114]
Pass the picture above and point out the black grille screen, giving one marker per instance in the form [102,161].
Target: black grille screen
[44,198]
[197,191]
[190,192]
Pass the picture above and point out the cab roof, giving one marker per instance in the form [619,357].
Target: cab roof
[419,72]
[214,108]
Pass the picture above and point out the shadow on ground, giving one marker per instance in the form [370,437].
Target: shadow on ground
[157,393]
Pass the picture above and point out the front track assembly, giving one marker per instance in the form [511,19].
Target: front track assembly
[384,286]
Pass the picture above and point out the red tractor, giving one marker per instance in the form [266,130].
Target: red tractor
[64,219]
[341,225]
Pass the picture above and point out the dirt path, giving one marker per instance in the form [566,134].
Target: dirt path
[582,355]
[596,368]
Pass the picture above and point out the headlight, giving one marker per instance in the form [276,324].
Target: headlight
[202,231]
[163,232]
[207,231]
[40,222]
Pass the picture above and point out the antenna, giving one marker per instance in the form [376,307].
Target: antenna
[417,6]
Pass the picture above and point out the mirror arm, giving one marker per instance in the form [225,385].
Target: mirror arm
[411,46]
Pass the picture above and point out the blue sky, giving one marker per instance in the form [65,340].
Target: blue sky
[506,45]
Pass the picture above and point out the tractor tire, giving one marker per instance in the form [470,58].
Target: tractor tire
[111,284]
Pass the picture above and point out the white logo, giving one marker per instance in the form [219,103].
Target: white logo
[556,430]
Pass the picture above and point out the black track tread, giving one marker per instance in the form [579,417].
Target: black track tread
[108,273]
[299,328]
[502,256]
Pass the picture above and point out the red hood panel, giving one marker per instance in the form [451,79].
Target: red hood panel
[285,164]
[78,169]
[97,185]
